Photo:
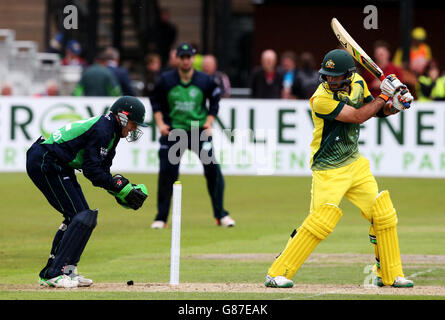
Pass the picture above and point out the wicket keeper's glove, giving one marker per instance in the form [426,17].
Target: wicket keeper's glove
[130,196]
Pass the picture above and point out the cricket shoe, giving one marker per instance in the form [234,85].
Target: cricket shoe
[83,282]
[62,281]
[159,224]
[400,282]
[226,221]
[71,271]
[278,282]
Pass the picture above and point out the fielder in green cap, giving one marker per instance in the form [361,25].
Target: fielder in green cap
[185,101]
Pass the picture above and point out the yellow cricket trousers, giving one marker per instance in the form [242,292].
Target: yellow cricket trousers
[354,181]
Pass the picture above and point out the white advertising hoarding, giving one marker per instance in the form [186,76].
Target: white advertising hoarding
[251,137]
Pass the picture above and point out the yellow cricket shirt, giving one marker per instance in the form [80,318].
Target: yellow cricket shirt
[335,143]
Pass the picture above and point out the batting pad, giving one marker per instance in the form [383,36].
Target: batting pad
[74,241]
[315,228]
[385,226]
[292,235]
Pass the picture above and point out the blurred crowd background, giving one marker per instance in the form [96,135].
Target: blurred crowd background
[253,48]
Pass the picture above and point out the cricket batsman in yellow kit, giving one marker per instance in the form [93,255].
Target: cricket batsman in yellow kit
[340,104]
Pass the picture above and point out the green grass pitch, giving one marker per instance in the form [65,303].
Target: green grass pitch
[266,210]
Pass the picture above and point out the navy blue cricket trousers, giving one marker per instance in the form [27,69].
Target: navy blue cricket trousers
[169,172]
[60,187]
[56,182]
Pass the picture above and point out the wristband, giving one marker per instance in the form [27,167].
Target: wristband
[123,193]
[381,113]
[389,107]
[384,97]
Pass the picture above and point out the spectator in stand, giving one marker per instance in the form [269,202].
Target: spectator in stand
[121,74]
[287,67]
[382,56]
[419,48]
[167,34]
[97,80]
[52,89]
[431,84]
[72,57]
[307,78]
[419,56]
[152,73]
[6,89]
[210,67]
[172,63]
[266,82]
[55,44]
[417,68]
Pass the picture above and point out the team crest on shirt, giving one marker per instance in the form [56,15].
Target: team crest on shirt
[330,64]
[193,93]
[103,152]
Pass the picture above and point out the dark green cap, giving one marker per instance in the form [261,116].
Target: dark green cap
[336,63]
[132,107]
[185,49]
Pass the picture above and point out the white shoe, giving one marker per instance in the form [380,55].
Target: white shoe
[158,224]
[401,282]
[71,271]
[278,282]
[62,281]
[227,221]
[83,282]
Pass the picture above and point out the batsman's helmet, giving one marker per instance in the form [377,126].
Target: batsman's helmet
[336,63]
[130,108]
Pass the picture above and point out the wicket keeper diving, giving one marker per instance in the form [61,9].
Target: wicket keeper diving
[339,105]
[88,145]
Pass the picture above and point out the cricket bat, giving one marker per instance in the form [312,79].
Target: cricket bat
[355,50]
[358,53]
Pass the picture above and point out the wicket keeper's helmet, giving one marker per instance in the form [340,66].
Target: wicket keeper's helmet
[336,63]
[130,108]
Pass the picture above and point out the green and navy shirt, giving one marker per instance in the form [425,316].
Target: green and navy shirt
[97,81]
[183,104]
[88,145]
[335,143]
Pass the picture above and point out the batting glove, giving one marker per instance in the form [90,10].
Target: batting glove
[389,86]
[402,99]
